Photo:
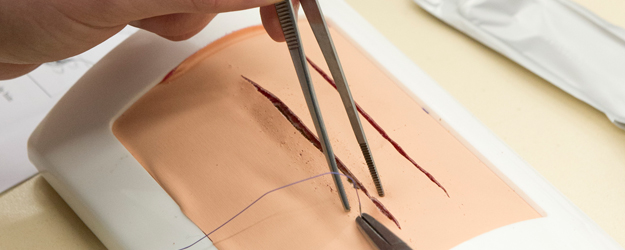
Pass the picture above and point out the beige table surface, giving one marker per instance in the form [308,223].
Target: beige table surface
[571,144]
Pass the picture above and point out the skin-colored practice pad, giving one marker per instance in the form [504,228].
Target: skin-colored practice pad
[215,144]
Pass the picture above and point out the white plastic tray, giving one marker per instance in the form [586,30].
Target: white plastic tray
[75,150]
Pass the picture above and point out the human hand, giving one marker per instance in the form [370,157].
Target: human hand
[33,32]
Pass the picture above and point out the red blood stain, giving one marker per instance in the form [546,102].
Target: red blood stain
[168,75]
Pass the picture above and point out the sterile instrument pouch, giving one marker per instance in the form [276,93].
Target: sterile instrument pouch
[558,40]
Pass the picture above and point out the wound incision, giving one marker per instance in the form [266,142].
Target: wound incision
[299,125]
[377,127]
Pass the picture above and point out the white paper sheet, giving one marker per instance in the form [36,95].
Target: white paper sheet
[26,100]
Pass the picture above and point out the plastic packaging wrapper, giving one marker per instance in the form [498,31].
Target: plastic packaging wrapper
[558,40]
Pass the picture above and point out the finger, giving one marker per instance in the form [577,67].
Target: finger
[9,71]
[141,9]
[175,27]
[269,17]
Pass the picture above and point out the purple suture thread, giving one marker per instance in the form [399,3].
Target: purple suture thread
[271,191]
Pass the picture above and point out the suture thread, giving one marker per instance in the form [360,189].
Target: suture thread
[271,191]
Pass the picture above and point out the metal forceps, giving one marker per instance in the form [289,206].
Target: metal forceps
[286,15]
[379,235]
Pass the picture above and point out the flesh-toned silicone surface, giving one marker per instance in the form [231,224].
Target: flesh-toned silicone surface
[215,144]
